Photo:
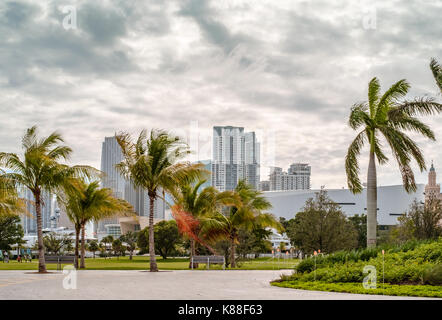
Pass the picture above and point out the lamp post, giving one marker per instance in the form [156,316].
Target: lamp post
[383,271]
[315,254]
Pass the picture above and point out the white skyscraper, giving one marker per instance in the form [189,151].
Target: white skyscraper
[297,177]
[235,157]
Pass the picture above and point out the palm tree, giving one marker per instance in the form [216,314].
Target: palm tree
[130,239]
[93,247]
[247,214]
[388,117]
[10,203]
[152,163]
[436,68]
[41,170]
[85,202]
[200,206]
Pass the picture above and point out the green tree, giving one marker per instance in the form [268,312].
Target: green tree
[321,225]
[194,210]
[11,232]
[289,227]
[437,72]
[130,239]
[107,243]
[246,214]
[360,225]
[387,116]
[253,241]
[54,243]
[85,202]
[41,170]
[117,247]
[167,237]
[421,222]
[93,247]
[152,163]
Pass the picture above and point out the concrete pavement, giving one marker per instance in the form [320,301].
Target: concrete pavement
[164,285]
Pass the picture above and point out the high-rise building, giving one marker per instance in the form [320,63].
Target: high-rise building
[110,156]
[48,206]
[251,153]
[235,157]
[124,189]
[297,177]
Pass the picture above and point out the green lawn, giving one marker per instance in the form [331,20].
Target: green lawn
[387,289]
[142,263]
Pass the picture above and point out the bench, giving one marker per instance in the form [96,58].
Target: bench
[209,260]
[59,260]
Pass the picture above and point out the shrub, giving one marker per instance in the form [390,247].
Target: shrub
[433,275]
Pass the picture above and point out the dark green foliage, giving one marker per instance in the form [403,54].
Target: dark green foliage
[11,232]
[323,226]
[360,225]
[253,241]
[167,238]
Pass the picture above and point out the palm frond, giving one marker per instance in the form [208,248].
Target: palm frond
[352,164]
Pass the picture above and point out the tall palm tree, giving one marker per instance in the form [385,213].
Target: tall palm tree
[436,68]
[85,202]
[41,170]
[201,206]
[247,214]
[152,163]
[386,116]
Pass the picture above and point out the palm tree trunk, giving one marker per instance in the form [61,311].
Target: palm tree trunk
[372,204]
[83,247]
[41,247]
[77,243]
[232,252]
[153,262]
[192,253]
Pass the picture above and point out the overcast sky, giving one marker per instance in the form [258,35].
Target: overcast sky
[289,70]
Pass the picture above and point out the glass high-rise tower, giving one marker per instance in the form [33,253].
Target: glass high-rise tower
[235,157]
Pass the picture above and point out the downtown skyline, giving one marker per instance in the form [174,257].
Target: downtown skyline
[126,69]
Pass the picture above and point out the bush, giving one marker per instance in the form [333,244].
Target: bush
[433,275]
[387,289]
[411,263]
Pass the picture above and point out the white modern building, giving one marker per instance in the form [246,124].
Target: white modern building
[297,177]
[235,157]
[393,201]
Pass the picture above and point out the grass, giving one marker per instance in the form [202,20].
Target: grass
[387,289]
[142,263]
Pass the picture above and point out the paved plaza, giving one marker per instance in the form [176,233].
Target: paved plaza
[189,285]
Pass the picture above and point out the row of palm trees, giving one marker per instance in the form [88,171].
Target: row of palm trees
[388,115]
[154,162]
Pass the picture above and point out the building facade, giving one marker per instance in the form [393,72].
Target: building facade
[235,157]
[297,177]
[432,189]
[393,202]
[48,211]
